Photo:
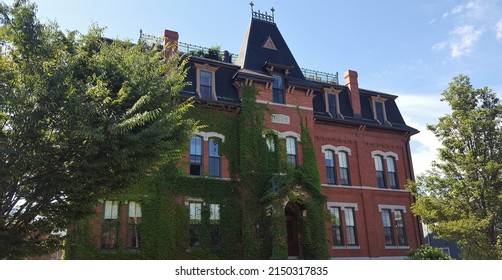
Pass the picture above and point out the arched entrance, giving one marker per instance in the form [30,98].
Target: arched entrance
[293,214]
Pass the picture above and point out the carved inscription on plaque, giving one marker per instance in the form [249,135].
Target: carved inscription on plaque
[279,118]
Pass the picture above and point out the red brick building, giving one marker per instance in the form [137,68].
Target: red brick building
[360,139]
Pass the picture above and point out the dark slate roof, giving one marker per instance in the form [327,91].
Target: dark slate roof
[253,56]
[253,60]
[393,115]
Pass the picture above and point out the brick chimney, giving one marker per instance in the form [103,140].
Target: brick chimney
[350,77]
[171,41]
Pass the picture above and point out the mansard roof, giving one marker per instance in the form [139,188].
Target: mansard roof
[263,47]
[394,116]
[264,51]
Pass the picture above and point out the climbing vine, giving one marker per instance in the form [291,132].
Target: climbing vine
[252,201]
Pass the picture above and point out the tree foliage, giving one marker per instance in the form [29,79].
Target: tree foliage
[80,116]
[461,197]
[427,252]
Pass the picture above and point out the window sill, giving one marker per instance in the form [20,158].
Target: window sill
[210,177]
[397,247]
[346,247]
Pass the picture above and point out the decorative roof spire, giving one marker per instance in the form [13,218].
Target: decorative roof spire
[260,15]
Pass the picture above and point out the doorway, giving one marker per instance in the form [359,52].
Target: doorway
[293,213]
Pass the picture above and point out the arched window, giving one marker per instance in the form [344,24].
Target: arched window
[343,162]
[329,157]
[214,157]
[196,155]
[291,151]
[379,171]
[270,140]
[391,169]
[278,89]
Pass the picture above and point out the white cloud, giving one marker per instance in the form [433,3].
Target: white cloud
[472,9]
[498,29]
[440,46]
[418,111]
[463,40]
[472,5]
[470,19]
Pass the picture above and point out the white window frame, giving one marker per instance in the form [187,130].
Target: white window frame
[342,206]
[393,209]
[379,99]
[335,92]
[385,166]
[111,210]
[212,70]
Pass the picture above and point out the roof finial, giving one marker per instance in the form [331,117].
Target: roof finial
[251,4]
[273,10]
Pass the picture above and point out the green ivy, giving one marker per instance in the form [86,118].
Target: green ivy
[253,221]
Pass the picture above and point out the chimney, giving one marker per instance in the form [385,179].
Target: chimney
[350,77]
[171,42]
[227,57]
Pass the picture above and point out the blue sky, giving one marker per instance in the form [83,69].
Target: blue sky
[409,48]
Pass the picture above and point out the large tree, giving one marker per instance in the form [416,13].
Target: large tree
[460,198]
[80,117]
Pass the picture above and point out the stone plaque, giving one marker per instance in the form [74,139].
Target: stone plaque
[279,118]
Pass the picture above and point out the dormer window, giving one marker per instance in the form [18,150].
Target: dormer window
[378,108]
[278,89]
[206,83]
[332,102]
[206,79]
[379,115]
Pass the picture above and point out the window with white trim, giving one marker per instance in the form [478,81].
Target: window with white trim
[336,226]
[388,230]
[337,164]
[400,228]
[206,85]
[394,227]
[343,161]
[386,169]
[292,151]
[133,229]
[278,93]
[271,141]
[214,157]
[343,224]
[350,226]
[206,88]
[196,156]
[379,171]
[213,154]
[391,169]
[329,158]
[379,110]
[332,104]
[195,235]
[214,220]
[110,226]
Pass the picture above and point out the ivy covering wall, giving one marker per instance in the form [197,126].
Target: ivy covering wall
[253,220]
